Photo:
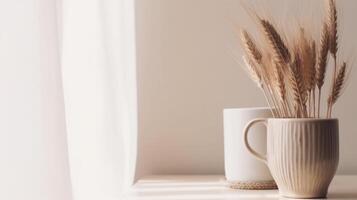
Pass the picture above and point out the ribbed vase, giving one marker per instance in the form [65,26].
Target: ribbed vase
[302,155]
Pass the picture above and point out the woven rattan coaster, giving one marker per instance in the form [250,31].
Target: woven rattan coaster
[252,185]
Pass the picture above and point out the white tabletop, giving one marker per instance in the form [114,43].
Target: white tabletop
[214,188]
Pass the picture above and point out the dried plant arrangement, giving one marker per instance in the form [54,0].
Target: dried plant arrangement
[292,75]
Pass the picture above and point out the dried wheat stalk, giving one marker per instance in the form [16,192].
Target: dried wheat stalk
[339,81]
[307,51]
[289,73]
[322,63]
[252,60]
[297,86]
[313,76]
[332,25]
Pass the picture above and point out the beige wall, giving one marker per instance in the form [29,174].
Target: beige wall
[187,75]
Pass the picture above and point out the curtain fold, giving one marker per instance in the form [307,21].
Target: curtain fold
[98,66]
[68,108]
[33,149]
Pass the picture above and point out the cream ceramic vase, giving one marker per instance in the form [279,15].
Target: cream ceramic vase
[302,154]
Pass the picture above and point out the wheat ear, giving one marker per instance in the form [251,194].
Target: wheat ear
[305,49]
[313,65]
[339,81]
[281,53]
[297,85]
[332,23]
[322,63]
[251,48]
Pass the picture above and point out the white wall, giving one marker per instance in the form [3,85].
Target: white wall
[187,75]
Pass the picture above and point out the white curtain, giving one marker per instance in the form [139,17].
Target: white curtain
[68,99]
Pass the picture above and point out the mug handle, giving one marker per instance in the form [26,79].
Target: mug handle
[247,145]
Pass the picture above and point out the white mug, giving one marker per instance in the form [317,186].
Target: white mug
[243,171]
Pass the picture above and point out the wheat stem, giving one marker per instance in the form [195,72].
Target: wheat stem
[319,104]
[314,101]
[273,111]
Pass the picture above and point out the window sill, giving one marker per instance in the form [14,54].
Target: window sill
[207,187]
